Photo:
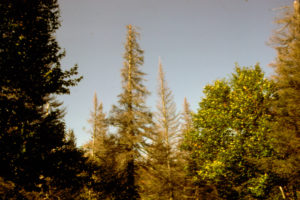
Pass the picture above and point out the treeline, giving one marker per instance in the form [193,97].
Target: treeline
[241,143]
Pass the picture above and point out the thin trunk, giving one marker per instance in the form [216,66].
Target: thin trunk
[93,146]
[282,192]
[131,163]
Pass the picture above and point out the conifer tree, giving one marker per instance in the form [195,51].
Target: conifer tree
[186,117]
[167,121]
[286,107]
[185,128]
[99,125]
[162,154]
[190,189]
[132,118]
[102,150]
[96,150]
[167,118]
[34,153]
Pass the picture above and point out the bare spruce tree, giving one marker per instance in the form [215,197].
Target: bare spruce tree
[95,148]
[103,150]
[187,117]
[99,127]
[162,154]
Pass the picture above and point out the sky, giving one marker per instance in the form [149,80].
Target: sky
[198,42]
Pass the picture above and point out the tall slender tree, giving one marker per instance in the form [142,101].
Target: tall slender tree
[162,154]
[187,124]
[167,121]
[185,128]
[286,107]
[167,118]
[96,150]
[190,189]
[99,125]
[132,118]
[102,150]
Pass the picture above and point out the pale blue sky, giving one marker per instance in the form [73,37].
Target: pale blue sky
[198,41]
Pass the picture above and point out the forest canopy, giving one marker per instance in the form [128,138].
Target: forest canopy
[241,143]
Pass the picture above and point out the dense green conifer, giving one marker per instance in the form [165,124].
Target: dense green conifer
[35,155]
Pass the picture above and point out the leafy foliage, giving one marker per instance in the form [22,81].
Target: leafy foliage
[230,128]
[243,142]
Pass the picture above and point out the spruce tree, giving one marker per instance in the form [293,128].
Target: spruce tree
[132,118]
[185,128]
[167,118]
[286,107]
[95,149]
[167,123]
[187,124]
[35,155]
[162,153]
[102,151]
[190,188]
[99,125]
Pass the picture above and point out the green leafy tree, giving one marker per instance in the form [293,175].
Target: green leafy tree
[230,130]
[286,106]
[191,189]
[132,118]
[32,132]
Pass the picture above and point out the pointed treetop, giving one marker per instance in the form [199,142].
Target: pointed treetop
[186,117]
[161,76]
[296,6]
[186,104]
[95,101]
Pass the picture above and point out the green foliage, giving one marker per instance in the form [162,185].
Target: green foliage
[230,130]
[243,142]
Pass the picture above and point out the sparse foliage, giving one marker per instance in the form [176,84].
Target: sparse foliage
[132,118]
[163,162]
[286,106]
